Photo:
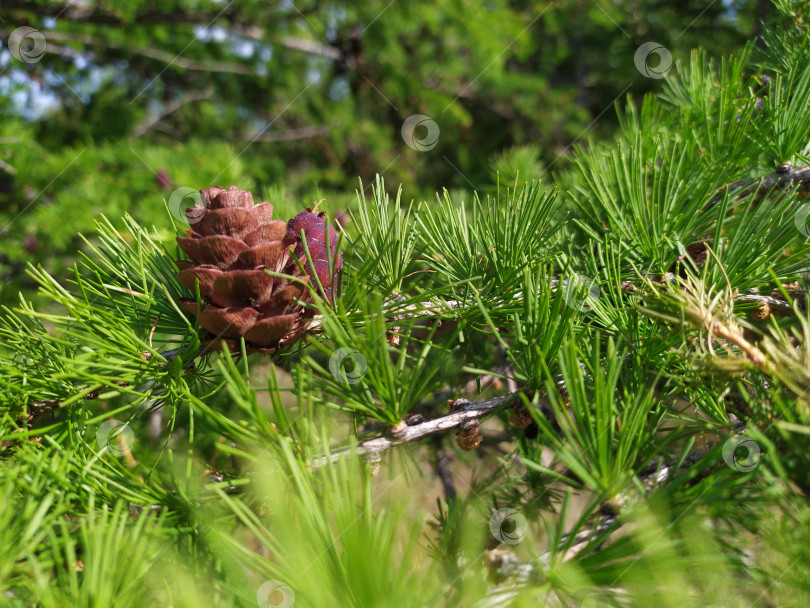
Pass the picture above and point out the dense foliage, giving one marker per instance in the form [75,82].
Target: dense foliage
[601,374]
[131,100]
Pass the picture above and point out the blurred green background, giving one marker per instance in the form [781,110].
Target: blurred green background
[128,101]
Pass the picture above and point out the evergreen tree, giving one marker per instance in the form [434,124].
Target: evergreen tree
[605,373]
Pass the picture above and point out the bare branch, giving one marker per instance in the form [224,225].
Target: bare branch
[82,13]
[402,433]
[772,302]
[170,59]
[291,134]
[785,177]
[313,48]
[442,464]
[4,166]
[170,107]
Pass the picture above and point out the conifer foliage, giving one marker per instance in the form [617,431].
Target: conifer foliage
[587,389]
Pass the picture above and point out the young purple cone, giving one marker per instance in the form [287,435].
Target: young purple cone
[232,243]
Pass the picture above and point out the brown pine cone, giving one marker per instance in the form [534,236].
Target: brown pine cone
[520,416]
[231,244]
[469,436]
